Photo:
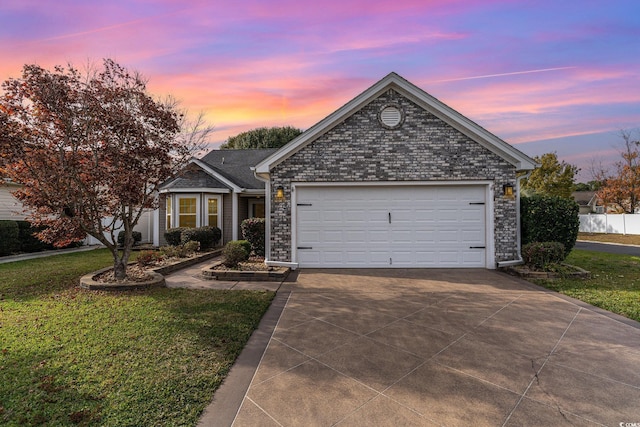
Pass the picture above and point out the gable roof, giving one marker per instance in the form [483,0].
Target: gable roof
[393,81]
[584,198]
[235,165]
[223,169]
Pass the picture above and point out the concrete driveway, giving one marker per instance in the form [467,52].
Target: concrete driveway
[429,348]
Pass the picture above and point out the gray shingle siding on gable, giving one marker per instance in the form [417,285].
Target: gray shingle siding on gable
[424,148]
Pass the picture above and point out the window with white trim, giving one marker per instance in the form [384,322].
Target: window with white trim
[214,211]
[168,199]
[187,212]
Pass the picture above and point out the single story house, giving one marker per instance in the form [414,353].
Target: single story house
[218,190]
[588,202]
[394,178]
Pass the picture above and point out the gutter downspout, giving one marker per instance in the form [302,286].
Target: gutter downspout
[519,260]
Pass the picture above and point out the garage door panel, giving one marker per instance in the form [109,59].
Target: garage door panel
[354,237]
[425,237]
[472,236]
[309,236]
[379,237]
[431,226]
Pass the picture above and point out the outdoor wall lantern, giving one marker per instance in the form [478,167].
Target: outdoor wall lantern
[507,191]
[279,193]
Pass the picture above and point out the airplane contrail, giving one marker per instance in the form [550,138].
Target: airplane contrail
[503,74]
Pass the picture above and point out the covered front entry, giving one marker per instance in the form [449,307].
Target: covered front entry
[387,226]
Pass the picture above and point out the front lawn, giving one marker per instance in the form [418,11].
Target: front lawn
[614,284]
[141,358]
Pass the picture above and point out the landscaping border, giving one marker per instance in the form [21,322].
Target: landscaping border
[278,275]
[87,281]
[525,272]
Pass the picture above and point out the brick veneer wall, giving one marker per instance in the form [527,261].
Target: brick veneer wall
[424,148]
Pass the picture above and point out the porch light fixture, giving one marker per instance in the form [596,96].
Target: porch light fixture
[279,194]
[507,191]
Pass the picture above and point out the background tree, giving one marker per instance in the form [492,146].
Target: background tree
[622,187]
[90,149]
[588,186]
[551,178]
[274,137]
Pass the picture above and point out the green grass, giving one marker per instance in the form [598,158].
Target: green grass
[141,358]
[614,284]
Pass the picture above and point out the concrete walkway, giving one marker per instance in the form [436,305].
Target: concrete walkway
[191,278]
[431,348]
[44,254]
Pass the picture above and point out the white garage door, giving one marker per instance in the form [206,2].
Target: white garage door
[395,226]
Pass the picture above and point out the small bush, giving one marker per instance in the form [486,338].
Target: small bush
[9,237]
[246,245]
[550,219]
[541,254]
[173,236]
[191,248]
[180,251]
[234,252]
[208,237]
[253,230]
[147,258]
[137,237]
[28,242]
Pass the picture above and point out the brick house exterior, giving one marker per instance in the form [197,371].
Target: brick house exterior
[420,145]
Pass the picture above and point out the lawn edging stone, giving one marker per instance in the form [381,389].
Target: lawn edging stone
[276,275]
[525,272]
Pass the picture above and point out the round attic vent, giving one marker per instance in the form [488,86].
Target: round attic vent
[391,116]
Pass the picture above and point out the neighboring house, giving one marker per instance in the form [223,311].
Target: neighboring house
[10,207]
[588,202]
[220,190]
[394,178]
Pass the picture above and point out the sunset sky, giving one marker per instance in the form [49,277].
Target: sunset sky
[544,75]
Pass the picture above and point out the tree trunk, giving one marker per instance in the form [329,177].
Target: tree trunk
[119,268]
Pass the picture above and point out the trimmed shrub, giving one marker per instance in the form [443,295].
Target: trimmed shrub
[208,237]
[9,237]
[173,236]
[541,254]
[549,219]
[253,230]
[29,242]
[246,245]
[137,237]
[234,252]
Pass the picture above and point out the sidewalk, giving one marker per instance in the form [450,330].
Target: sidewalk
[44,254]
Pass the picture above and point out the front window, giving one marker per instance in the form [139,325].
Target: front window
[212,212]
[188,212]
[168,211]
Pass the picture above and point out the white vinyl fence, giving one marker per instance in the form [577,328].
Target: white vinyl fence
[610,223]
